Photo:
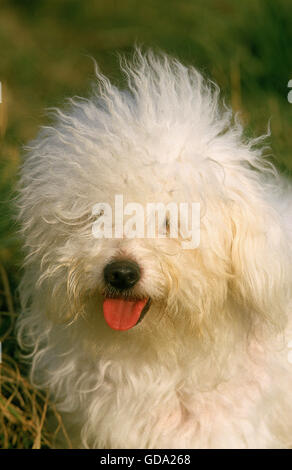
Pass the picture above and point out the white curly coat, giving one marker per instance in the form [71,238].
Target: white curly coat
[208,366]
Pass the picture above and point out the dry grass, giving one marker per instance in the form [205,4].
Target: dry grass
[23,409]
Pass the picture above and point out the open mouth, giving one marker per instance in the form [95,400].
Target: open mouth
[123,314]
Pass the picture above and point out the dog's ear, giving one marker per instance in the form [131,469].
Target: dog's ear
[261,268]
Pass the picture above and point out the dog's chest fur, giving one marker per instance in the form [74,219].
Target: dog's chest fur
[154,406]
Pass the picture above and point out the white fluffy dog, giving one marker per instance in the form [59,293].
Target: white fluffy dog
[208,365]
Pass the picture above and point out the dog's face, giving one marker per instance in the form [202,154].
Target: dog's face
[148,285]
[141,284]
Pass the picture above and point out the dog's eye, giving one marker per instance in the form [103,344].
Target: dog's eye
[167,225]
[164,227]
[99,214]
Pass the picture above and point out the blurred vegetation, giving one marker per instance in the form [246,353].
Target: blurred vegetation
[45,50]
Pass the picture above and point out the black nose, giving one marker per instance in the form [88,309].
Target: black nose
[122,274]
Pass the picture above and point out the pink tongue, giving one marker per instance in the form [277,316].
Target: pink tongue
[122,314]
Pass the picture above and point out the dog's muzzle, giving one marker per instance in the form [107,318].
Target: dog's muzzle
[121,311]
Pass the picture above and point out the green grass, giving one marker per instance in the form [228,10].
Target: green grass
[45,56]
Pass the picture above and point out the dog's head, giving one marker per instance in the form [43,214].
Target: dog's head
[165,142]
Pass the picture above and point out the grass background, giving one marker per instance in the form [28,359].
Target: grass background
[45,49]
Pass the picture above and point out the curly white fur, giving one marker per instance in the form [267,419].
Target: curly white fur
[208,365]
